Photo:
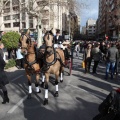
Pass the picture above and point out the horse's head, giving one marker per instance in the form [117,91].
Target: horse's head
[48,39]
[25,42]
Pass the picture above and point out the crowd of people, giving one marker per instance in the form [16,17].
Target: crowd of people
[107,52]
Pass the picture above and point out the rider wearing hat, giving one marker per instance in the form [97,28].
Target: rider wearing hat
[58,39]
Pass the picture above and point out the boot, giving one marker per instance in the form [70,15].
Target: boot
[5,98]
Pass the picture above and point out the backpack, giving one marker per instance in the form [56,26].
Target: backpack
[110,107]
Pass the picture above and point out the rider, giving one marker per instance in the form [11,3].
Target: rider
[58,39]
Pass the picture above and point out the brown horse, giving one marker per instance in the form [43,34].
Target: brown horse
[31,64]
[53,62]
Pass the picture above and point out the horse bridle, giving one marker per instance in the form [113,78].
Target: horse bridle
[27,41]
[54,52]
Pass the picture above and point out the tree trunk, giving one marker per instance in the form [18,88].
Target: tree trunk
[39,29]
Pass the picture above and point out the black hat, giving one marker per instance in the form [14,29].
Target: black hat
[57,31]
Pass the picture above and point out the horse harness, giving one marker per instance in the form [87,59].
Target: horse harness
[47,65]
[29,66]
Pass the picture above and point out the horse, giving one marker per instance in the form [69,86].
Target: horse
[54,61]
[31,63]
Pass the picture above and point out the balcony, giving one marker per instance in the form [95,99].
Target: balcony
[112,27]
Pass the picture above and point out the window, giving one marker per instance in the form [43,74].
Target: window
[30,5]
[6,17]
[16,24]
[16,8]
[16,16]
[45,21]
[23,5]
[30,17]
[113,6]
[7,10]
[7,25]
[23,25]
[31,25]
[6,4]
[15,2]
[22,1]
[23,16]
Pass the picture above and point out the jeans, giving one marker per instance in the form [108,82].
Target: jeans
[108,66]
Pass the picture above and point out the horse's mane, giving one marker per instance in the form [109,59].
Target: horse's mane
[49,32]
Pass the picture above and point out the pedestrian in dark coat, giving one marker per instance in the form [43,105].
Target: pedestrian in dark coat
[87,58]
[3,77]
[96,55]
[3,80]
[111,57]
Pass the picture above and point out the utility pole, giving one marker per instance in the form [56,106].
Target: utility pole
[69,26]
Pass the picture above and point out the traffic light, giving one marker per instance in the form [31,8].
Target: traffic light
[106,37]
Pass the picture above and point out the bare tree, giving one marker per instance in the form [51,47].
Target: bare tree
[3,5]
[35,9]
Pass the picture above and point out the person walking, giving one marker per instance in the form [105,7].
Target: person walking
[117,61]
[96,55]
[20,58]
[77,50]
[87,58]
[111,59]
[3,77]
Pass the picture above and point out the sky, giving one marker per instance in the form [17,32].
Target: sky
[90,12]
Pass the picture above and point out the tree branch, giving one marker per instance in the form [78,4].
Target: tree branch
[4,6]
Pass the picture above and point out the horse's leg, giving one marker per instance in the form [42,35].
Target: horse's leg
[37,83]
[61,74]
[56,84]
[30,86]
[46,88]
[43,79]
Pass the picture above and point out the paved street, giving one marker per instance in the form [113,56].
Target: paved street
[79,96]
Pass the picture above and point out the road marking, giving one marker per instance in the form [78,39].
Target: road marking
[17,78]
[98,96]
[16,106]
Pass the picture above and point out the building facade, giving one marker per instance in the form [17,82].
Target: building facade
[109,19]
[14,17]
[91,29]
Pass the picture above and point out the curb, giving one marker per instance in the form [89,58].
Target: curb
[11,69]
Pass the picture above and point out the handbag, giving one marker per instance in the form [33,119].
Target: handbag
[83,64]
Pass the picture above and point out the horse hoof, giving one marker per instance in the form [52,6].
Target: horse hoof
[56,94]
[42,85]
[39,91]
[29,96]
[61,81]
[45,102]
